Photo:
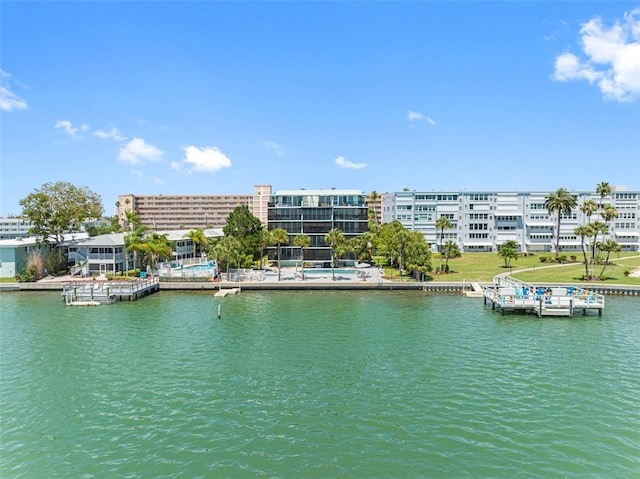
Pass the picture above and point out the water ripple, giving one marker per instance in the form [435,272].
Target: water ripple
[316,385]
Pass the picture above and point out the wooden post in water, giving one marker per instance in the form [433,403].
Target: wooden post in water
[219,311]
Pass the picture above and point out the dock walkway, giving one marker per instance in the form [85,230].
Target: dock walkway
[510,294]
[80,293]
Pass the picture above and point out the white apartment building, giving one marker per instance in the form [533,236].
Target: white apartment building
[482,221]
[12,228]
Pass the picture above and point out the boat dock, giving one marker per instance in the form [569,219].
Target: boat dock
[94,293]
[509,294]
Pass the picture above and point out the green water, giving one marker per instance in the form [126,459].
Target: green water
[315,384]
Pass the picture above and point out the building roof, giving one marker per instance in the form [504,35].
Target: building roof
[329,192]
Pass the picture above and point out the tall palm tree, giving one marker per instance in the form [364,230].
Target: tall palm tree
[442,223]
[336,241]
[560,202]
[584,231]
[609,213]
[400,240]
[302,241]
[279,237]
[604,189]
[597,228]
[589,207]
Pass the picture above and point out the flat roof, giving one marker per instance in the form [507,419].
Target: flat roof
[329,192]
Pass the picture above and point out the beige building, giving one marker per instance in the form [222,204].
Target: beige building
[173,212]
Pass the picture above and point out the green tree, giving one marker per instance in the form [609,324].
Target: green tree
[604,189]
[442,223]
[134,242]
[417,255]
[384,240]
[451,250]
[584,231]
[508,251]
[399,244]
[264,241]
[610,246]
[113,226]
[336,241]
[589,207]
[246,228]
[157,247]
[225,249]
[609,213]
[279,237]
[302,241]
[199,239]
[59,208]
[561,202]
[597,227]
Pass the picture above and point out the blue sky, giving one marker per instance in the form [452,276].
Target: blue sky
[215,97]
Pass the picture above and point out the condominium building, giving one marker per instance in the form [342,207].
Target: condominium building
[315,213]
[482,221]
[11,228]
[375,202]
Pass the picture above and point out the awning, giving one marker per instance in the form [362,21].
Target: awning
[507,213]
[477,244]
[627,233]
[547,225]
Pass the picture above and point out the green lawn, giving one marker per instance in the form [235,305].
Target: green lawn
[482,267]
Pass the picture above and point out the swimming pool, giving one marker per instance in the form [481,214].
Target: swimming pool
[210,266]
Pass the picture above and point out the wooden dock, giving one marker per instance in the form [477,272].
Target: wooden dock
[93,293]
[511,295]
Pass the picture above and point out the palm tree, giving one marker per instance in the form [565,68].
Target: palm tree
[604,189]
[584,231]
[302,241]
[597,228]
[609,213]
[199,240]
[158,246]
[442,223]
[609,246]
[336,241]
[560,202]
[264,240]
[451,250]
[279,237]
[589,207]
[227,247]
[399,242]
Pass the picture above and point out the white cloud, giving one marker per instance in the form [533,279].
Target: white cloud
[138,150]
[112,134]
[612,58]
[414,116]
[342,162]
[69,129]
[9,101]
[273,146]
[205,160]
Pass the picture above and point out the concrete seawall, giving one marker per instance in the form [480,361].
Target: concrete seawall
[452,287]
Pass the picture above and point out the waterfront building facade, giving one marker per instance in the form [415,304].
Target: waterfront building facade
[177,212]
[483,221]
[174,212]
[315,213]
[12,228]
